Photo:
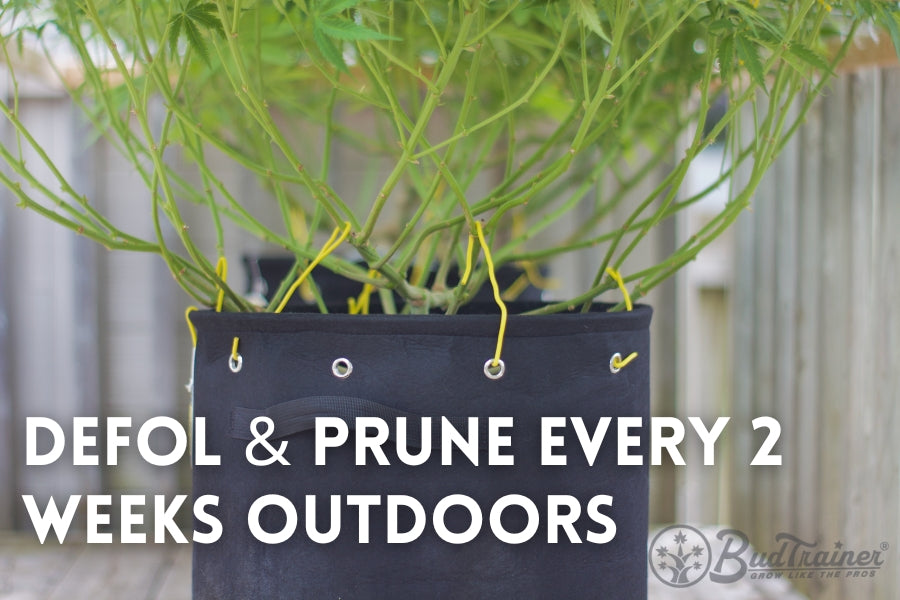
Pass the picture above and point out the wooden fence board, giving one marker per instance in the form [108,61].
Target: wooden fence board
[806,358]
[859,525]
[885,347]
[53,349]
[763,362]
[7,447]
[836,305]
[784,304]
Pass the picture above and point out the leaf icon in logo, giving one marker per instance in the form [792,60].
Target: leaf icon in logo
[685,563]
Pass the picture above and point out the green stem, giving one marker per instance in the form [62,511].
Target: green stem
[430,104]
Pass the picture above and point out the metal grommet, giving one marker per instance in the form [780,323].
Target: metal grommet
[342,367]
[235,362]
[614,362]
[494,372]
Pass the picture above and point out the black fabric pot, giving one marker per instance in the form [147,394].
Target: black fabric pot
[555,366]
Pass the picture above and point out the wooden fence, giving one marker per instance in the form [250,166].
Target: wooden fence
[817,334]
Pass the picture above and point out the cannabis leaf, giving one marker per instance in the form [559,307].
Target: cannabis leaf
[726,57]
[749,56]
[587,14]
[331,28]
[888,15]
[192,20]
[800,56]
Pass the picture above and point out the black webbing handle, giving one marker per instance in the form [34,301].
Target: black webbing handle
[299,415]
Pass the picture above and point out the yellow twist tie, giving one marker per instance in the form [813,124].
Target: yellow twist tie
[469,251]
[618,362]
[222,274]
[515,290]
[234,348]
[531,276]
[497,298]
[618,279]
[360,306]
[191,328]
[536,279]
[333,242]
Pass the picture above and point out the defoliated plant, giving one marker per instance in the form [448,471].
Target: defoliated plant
[513,114]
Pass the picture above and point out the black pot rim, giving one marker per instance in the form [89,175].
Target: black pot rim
[599,319]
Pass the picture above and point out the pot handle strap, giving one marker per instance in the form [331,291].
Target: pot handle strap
[299,415]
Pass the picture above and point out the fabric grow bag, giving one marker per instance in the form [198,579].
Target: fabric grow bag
[293,369]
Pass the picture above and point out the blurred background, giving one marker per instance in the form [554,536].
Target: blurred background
[792,314]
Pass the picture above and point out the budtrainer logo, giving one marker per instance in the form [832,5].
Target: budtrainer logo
[680,555]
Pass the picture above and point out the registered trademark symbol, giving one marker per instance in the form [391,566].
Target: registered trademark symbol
[885,546]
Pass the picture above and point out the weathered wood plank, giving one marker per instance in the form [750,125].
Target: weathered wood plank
[75,571]
[806,353]
[860,525]
[833,322]
[763,341]
[702,359]
[49,331]
[663,380]
[7,467]
[743,324]
[784,333]
[885,354]
[175,582]
[112,572]
[139,318]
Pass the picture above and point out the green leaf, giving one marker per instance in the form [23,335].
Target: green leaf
[522,38]
[328,49]
[720,27]
[749,56]
[587,14]
[810,57]
[195,40]
[174,33]
[758,22]
[207,15]
[335,6]
[349,31]
[193,19]
[891,20]
[726,58]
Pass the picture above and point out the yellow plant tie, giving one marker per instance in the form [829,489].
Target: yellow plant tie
[497,298]
[516,288]
[222,274]
[469,251]
[234,348]
[360,305]
[333,242]
[191,328]
[193,331]
[531,275]
[617,361]
[617,277]
[536,279]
